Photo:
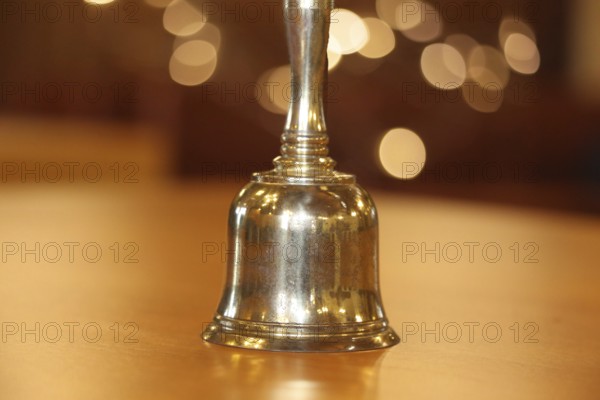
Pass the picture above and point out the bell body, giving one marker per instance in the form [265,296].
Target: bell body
[303,273]
[303,270]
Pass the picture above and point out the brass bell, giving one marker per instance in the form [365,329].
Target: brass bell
[304,271]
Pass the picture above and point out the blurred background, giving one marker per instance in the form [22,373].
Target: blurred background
[497,101]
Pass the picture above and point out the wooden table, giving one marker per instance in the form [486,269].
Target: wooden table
[130,330]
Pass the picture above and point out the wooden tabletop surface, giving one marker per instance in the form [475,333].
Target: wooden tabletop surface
[106,282]
[125,323]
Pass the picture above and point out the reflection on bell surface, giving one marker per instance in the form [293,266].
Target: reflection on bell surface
[304,272]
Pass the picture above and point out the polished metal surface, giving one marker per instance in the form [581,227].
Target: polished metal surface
[303,275]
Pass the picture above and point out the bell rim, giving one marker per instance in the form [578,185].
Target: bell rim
[380,337]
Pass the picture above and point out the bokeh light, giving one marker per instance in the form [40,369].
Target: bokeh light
[275,89]
[402,153]
[209,33]
[158,3]
[386,11]
[522,54]
[485,99]
[381,40]
[334,53]
[443,66]
[513,25]
[193,63]
[182,18]
[464,44]
[486,65]
[487,77]
[100,2]
[418,20]
[348,30]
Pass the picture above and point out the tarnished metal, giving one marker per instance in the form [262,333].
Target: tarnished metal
[303,275]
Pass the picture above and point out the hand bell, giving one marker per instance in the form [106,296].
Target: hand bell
[304,271]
